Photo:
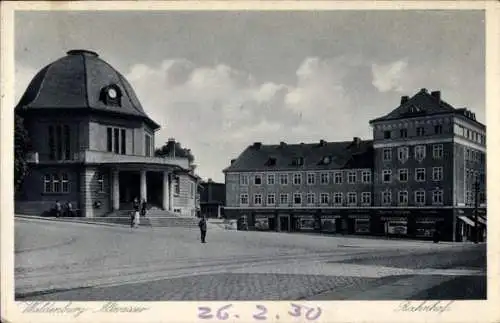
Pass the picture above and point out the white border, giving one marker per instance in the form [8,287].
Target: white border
[344,311]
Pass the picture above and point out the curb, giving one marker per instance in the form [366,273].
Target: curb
[31,217]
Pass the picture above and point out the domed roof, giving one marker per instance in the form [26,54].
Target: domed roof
[82,80]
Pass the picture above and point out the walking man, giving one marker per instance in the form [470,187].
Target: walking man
[203,228]
[58,209]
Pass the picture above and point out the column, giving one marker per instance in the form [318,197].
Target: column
[116,190]
[170,196]
[144,192]
[166,191]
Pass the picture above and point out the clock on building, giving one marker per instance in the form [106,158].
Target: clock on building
[112,93]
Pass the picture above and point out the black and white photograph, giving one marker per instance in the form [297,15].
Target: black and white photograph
[196,155]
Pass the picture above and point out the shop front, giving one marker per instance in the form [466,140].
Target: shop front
[467,223]
[392,222]
[304,223]
[265,222]
[358,224]
[331,223]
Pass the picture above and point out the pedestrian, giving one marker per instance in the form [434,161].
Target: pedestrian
[58,209]
[436,236]
[69,209]
[135,214]
[143,207]
[203,228]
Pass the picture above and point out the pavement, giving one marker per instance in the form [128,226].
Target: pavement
[61,260]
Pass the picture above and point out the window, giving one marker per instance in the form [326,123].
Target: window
[257,199]
[403,175]
[352,198]
[403,154]
[437,173]
[467,154]
[298,161]
[109,139]
[297,198]
[351,177]
[420,197]
[177,186]
[437,197]
[271,199]
[420,174]
[52,145]
[311,178]
[100,182]
[311,198]
[420,153]
[337,177]
[56,183]
[366,198]
[403,133]
[387,154]
[403,197]
[324,198]
[270,179]
[420,131]
[437,151]
[386,175]
[191,188]
[366,176]
[468,198]
[438,129]
[116,133]
[243,179]
[337,198]
[297,179]
[386,198]
[257,179]
[67,143]
[244,199]
[387,134]
[324,178]
[59,141]
[124,143]
[284,179]
[283,199]
[47,184]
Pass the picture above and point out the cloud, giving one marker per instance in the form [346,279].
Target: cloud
[218,110]
[388,77]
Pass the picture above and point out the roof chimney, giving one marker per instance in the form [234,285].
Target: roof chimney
[257,145]
[356,141]
[404,99]
[437,95]
[232,161]
[282,144]
[423,90]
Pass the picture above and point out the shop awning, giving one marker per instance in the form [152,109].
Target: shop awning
[466,220]
[481,219]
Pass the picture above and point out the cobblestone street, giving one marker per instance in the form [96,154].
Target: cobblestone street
[71,261]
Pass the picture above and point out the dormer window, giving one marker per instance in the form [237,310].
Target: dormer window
[111,95]
[298,161]
[271,161]
[326,160]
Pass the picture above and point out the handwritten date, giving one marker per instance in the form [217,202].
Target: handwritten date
[261,312]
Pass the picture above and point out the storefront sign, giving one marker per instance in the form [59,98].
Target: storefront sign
[393,212]
[393,218]
[396,227]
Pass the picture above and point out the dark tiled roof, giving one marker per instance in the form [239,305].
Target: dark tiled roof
[346,154]
[422,103]
[76,81]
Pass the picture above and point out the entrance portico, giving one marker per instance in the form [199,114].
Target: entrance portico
[153,186]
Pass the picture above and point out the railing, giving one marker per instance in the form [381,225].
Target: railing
[101,157]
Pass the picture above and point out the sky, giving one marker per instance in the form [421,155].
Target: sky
[219,81]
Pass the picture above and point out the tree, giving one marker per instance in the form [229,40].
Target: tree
[21,149]
[174,149]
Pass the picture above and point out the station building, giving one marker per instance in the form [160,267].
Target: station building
[93,145]
[423,171]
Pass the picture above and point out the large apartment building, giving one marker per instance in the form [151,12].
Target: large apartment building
[417,175]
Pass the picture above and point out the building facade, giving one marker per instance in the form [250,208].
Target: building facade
[423,171]
[93,144]
[212,198]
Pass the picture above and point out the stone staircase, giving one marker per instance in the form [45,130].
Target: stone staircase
[155,217]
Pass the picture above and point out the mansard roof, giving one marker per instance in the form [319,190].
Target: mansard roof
[315,156]
[78,81]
